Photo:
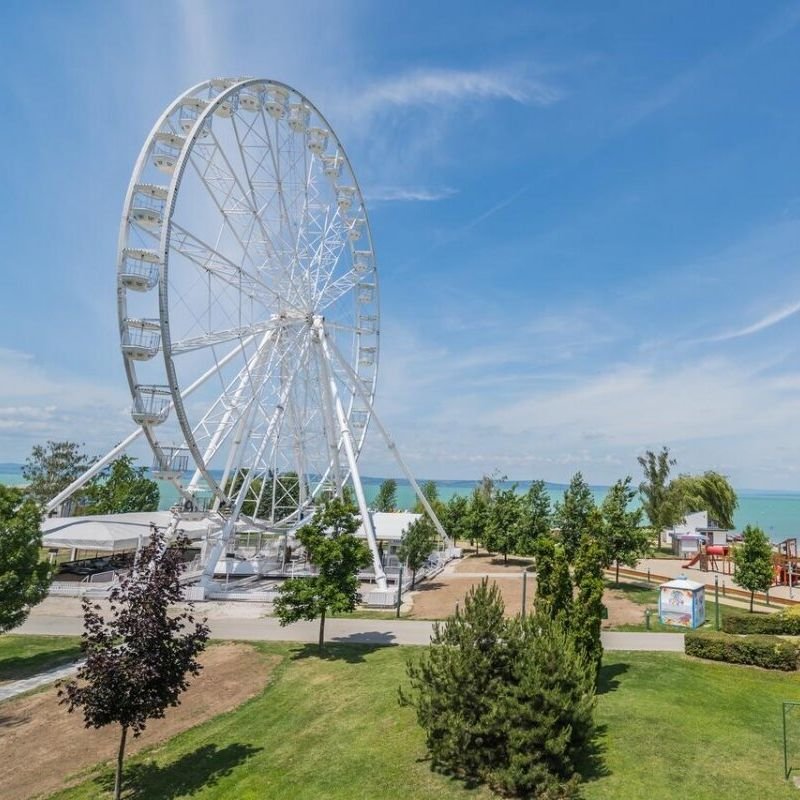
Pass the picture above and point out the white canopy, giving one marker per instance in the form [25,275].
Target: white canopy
[389,525]
[114,533]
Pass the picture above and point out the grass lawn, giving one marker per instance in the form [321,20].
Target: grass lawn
[24,656]
[670,727]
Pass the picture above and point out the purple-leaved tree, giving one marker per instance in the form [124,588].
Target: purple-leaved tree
[137,661]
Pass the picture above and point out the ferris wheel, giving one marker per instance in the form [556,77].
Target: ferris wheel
[248,306]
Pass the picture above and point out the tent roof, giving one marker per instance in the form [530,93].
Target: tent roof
[114,533]
[389,525]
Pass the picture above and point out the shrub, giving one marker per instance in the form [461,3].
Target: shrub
[769,652]
[782,624]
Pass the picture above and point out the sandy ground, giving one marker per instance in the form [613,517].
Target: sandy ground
[42,744]
[437,598]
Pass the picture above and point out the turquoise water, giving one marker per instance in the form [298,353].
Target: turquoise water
[778,513]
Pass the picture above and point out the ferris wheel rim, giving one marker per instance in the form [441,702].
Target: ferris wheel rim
[167,227]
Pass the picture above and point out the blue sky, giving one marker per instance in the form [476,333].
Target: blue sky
[586,218]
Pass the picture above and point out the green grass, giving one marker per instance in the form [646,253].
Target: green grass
[669,727]
[24,656]
[675,727]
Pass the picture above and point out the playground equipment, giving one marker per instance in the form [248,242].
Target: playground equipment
[713,557]
[786,567]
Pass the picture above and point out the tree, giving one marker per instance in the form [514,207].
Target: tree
[573,513]
[477,517]
[24,579]
[504,523]
[121,488]
[709,492]
[455,684]
[588,608]
[548,712]
[545,572]
[659,501]
[332,547]
[752,562]
[622,540]
[52,467]
[418,541]
[507,702]
[431,493]
[386,499]
[537,517]
[455,517]
[137,662]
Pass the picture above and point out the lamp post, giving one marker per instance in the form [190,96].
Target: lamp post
[399,591]
[716,601]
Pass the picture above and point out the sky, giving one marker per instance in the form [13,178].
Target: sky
[586,219]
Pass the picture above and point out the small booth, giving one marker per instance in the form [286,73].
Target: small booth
[682,603]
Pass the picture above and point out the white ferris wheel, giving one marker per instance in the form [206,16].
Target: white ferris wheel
[248,308]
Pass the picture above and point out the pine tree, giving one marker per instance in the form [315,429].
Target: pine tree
[455,683]
[548,711]
[588,608]
[572,514]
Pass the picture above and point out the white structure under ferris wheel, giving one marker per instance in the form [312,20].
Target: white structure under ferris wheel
[248,309]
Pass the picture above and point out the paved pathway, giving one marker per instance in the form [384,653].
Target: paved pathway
[354,630]
[42,679]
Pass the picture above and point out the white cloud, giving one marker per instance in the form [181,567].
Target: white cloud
[431,87]
[389,194]
[767,321]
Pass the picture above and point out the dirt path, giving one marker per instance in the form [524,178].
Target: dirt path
[42,744]
[437,598]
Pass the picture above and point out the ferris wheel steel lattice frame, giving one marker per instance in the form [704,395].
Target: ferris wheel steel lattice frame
[252,270]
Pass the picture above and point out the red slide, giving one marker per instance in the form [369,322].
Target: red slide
[692,562]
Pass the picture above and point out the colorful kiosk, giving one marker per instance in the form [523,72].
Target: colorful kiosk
[682,603]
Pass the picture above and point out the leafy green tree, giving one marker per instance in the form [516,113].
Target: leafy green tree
[332,547]
[418,542]
[752,562]
[52,467]
[455,684]
[24,579]
[477,517]
[709,492]
[537,517]
[121,488]
[573,513]
[622,540]
[588,608]
[504,523]
[137,661]
[386,499]
[659,500]
[548,712]
[431,492]
[455,517]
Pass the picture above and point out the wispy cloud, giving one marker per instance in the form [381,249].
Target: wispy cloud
[427,87]
[762,324]
[390,194]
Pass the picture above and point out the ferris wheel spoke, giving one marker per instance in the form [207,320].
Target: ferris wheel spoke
[219,337]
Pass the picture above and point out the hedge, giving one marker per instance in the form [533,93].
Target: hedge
[769,652]
[782,624]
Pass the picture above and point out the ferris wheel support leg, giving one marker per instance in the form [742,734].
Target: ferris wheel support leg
[389,441]
[349,449]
